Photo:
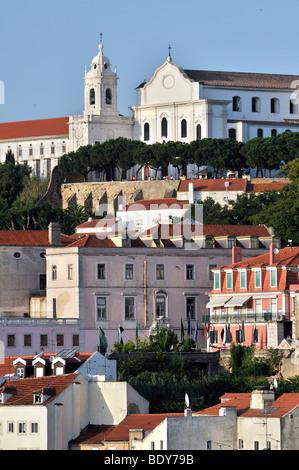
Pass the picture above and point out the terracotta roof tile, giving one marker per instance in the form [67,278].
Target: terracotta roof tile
[261,187]
[235,184]
[28,238]
[148,422]
[93,434]
[91,240]
[36,128]
[27,387]
[241,79]
[163,203]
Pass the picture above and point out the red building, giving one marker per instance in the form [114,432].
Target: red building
[253,301]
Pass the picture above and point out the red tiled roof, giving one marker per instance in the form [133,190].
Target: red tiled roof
[241,401]
[285,257]
[27,387]
[171,230]
[261,187]
[105,222]
[147,422]
[163,203]
[91,239]
[93,434]
[241,79]
[28,238]
[36,128]
[238,184]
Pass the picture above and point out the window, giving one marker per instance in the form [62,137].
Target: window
[214,337]
[198,132]
[34,428]
[161,305]
[183,128]
[243,279]
[273,304]
[258,305]
[164,127]
[92,97]
[211,274]
[54,307]
[30,150]
[260,133]
[76,340]
[255,105]
[273,278]
[257,278]
[20,372]
[52,148]
[232,134]
[273,132]
[190,272]
[209,445]
[59,340]
[129,308]
[256,445]
[190,307]
[20,151]
[44,340]
[41,150]
[152,446]
[37,398]
[63,147]
[254,242]
[160,272]
[37,168]
[11,340]
[27,340]
[42,281]
[10,427]
[229,280]
[129,272]
[146,131]
[241,444]
[231,242]
[101,272]
[217,280]
[22,428]
[274,105]
[209,241]
[70,272]
[108,96]
[54,273]
[102,308]
[236,103]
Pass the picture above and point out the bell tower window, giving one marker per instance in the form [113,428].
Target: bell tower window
[183,128]
[108,96]
[92,97]
[164,127]
[146,131]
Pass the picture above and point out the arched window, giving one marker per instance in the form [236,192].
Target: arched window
[183,128]
[273,133]
[293,107]
[108,96]
[260,133]
[198,132]
[236,103]
[255,105]
[274,105]
[92,96]
[30,150]
[41,151]
[164,127]
[52,148]
[232,134]
[161,305]
[146,131]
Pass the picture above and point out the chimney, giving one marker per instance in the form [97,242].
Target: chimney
[236,254]
[260,399]
[272,254]
[54,234]
[191,193]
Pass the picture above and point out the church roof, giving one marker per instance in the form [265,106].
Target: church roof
[241,79]
[36,128]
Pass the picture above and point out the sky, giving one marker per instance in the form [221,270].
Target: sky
[45,46]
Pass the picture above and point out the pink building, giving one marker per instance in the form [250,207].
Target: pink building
[253,301]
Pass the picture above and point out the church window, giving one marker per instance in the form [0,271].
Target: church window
[198,132]
[255,105]
[30,150]
[108,96]
[63,147]
[273,132]
[52,148]
[236,103]
[260,133]
[92,96]
[20,150]
[293,107]
[274,105]
[146,130]
[232,134]
[41,151]
[183,128]
[164,127]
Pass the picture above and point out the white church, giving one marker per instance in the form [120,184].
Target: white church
[174,105]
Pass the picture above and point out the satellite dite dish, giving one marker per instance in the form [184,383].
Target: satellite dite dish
[187,402]
[276,251]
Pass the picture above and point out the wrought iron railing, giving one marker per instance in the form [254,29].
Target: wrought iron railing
[249,317]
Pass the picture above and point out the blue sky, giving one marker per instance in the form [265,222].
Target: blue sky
[46,44]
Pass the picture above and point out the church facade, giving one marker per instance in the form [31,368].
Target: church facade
[176,104]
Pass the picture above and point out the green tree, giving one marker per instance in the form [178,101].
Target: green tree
[81,161]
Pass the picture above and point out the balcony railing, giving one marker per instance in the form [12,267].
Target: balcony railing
[38,321]
[249,317]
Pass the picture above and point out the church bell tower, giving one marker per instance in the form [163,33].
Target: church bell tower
[101,87]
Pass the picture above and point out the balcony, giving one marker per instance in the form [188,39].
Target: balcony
[249,317]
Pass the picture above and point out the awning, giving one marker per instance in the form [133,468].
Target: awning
[237,301]
[218,301]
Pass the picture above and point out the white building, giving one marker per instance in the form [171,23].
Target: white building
[176,104]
